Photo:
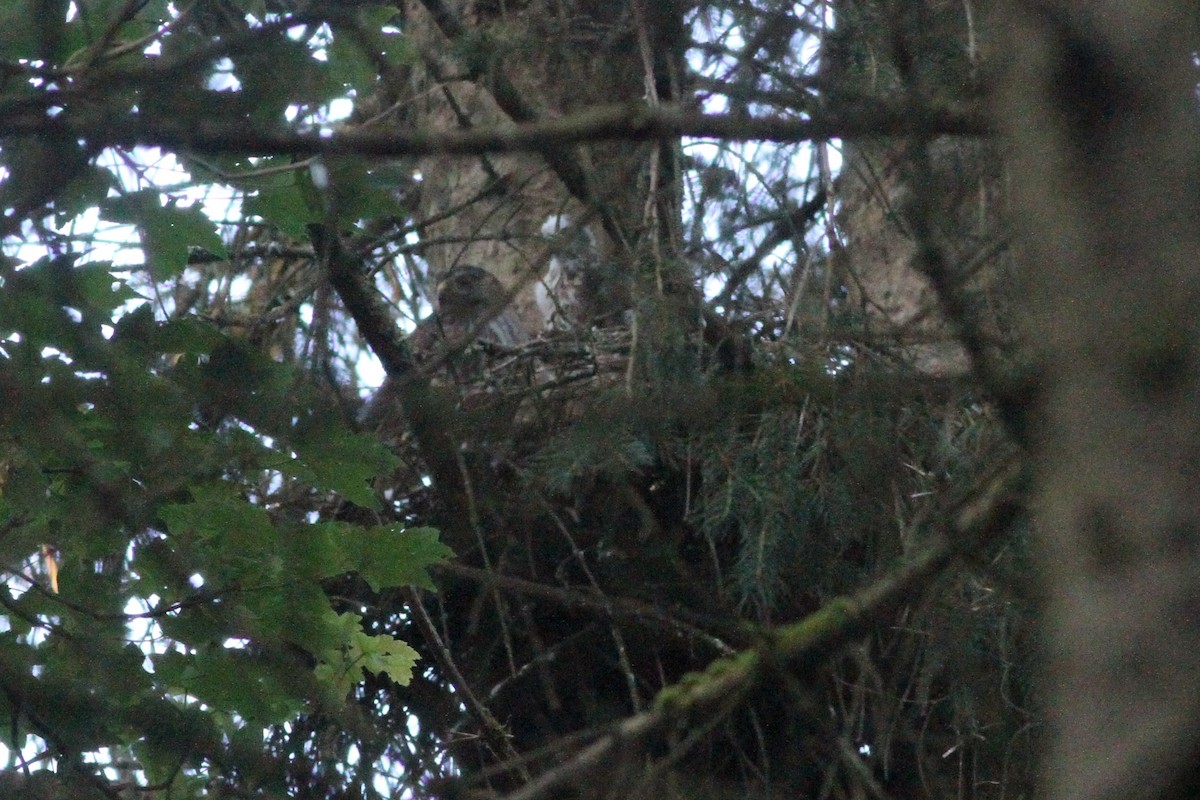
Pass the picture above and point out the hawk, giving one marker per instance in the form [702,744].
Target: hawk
[471,306]
[580,288]
[472,319]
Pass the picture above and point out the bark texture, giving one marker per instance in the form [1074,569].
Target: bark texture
[1100,105]
[519,62]
[898,197]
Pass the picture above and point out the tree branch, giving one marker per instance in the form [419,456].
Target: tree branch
[603,605]
[803,645]
[412,388]
[631,121]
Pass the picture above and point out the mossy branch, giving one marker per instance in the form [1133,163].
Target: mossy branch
[805,644]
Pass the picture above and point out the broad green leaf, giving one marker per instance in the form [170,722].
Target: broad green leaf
[286,207]
[348,65]
[85,191]
[198,624]
[375,17]
[99,290]
[54,303]
[393,556]
[138,332]
[33,303]
[233,680]
[235,379]
[386,655]
[316,552]
[363,189]
[20,39]
[169,729]
[343,667]
[295,611]
[155,12]
[256,8]
[168,232]
[280,73]
[336,673]
[237,533]
[333,458]
[385,20]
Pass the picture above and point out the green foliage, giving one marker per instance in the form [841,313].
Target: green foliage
[389,557]
[590,450]
[333,459]
[761,488]
[194,495]
[876,49]
[289,203]
[152,456]
[344,666]
[167,232]
[810,493]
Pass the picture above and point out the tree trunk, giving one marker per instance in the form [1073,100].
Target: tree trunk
[928,51]
[487,65]
[516,62]
[1101,110]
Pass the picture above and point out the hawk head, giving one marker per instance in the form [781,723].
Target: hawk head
[469,296]
[466,290]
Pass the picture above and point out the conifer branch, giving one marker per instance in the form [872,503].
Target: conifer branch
[804,645]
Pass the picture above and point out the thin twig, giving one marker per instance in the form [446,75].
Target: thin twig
[498,736]
[802,646]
